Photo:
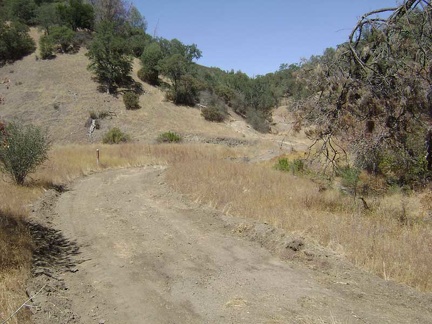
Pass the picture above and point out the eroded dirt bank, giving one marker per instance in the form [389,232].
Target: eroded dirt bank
[130,250]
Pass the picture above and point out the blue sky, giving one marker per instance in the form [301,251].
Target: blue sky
[256,36]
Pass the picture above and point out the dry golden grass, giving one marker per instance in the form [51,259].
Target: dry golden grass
[392,239]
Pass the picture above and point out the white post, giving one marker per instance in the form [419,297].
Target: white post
[97,157]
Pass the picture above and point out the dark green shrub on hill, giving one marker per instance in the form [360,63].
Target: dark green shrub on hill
[258,120]
[213,114]
[131,101]
[64,37]
[46,47]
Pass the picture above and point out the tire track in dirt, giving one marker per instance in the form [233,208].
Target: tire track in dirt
[153,257]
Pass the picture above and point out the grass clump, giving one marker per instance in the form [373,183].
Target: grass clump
[115,136]
[169,137]
[296,166]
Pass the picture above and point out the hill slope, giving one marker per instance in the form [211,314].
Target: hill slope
[60,94]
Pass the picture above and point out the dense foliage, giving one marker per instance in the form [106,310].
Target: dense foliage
[109,57]
[15,42]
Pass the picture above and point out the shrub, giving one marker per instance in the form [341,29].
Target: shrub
[22,149]
[93,115]
[213,114]
[131,100]
[46,47]
[115,136]
[296,166]
[149,76]
[169,137]
[257,120]
[187,91]
[62,36]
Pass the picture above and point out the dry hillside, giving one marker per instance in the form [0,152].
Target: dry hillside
[60,94]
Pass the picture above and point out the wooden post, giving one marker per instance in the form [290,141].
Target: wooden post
[97,157]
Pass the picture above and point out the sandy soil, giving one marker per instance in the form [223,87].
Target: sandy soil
[122,247]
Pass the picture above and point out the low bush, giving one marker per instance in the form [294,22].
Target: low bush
[22,149]
[169,137]
[115,136]
[131,101]
[258,120]
[213,114]
[149,76]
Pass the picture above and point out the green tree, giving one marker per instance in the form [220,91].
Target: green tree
[22,149]
[150,59]
[131,100]
[21,10]
[47,15]
[109,56]
[184,87]
[15,42]
[136,20]
[174,46]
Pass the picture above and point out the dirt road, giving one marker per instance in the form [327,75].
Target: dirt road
[133,251]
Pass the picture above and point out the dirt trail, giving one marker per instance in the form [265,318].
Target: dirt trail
[147,255]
